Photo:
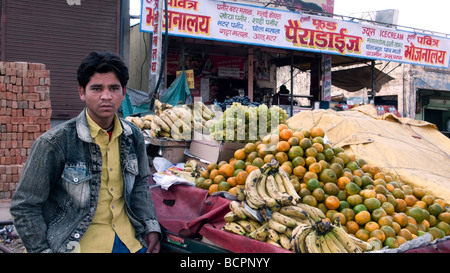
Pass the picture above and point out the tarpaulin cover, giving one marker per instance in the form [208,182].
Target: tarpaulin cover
[177,92]
[190,211]
[411,151]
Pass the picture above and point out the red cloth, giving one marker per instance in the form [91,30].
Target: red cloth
[189,211]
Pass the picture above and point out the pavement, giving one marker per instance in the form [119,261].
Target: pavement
[4,210]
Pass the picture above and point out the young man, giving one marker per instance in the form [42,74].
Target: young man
[84,185]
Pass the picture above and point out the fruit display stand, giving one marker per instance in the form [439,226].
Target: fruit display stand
[190,212]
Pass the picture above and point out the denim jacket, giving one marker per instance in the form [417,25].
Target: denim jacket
[56,198]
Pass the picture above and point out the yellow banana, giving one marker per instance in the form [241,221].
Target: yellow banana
[345,240]
[312,243]
[166,120]
[280,183]
[365,246]
[334,244]
[278,227]
[283,219]
[273,235]
[255,223]
[164,134]
[237,209]
[247,213]
[240,194]
[261,189]
[230,217]
[285,242]
[260,233]
[234,228]
[246,225]
[313,212]
[323,244]
[288,185]
[299,238]
[250,189]
[294,211]
[273,243]
[274,192]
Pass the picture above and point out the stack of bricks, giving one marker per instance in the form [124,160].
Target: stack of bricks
[25,111]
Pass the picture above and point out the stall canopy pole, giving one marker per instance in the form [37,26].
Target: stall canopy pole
[292,84]
[372,93]
[250,74]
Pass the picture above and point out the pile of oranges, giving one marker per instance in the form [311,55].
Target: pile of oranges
[366,202]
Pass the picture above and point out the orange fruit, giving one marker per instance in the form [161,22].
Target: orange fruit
[298,135]
[226,170]
[385,221]
[342,182]
[240,154]
[410,200]
[377,233]
[286,168]
[281,157]
[362,234]
[241,177]
[317,132]
[282,126]
[318,147]
[213,188]
[293,141]
[298,161]
[362,217]
[309,175]
[401,218]
[401,205]
[315,167]
[268,157]
[332,202]
[283,146]
[232,181]
[299,171]
[371,226]
[219,178]
[250,168]
[352,227]
[224,186]
[213,173]
[286,134]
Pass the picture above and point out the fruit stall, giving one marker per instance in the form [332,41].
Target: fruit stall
[320,181]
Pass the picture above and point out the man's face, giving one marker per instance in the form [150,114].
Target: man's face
[103,96]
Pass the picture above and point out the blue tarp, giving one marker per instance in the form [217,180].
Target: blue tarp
[177,92]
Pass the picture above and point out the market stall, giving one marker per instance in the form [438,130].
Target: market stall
[257,182]
[369,196]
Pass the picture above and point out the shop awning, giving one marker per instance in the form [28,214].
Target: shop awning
[355,79]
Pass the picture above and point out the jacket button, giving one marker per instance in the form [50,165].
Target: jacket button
[75,179]
[76,235]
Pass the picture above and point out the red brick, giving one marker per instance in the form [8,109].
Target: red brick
[42,73]
[31,113]
[42,104]
[27,143]
[31,96]
[32,128]
[30,81]
[5,119]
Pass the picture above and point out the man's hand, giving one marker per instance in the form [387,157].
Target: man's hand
[152,240]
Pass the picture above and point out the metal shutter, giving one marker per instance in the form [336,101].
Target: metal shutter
[60,35]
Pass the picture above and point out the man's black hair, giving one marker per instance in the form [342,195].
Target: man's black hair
[102,62]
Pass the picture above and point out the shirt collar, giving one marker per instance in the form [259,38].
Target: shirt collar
[95,129]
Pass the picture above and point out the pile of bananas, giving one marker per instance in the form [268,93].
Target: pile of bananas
[176,122]
[269,210]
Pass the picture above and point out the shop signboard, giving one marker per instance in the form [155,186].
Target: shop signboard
[248,24]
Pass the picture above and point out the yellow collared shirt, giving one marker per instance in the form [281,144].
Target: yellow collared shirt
[110,217]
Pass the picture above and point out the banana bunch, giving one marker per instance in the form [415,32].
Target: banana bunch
[269,210]
[325,237]
[176,122]
[271,187]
